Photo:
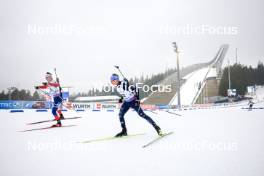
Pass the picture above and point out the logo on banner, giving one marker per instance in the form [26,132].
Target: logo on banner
[98,106]
[109,106]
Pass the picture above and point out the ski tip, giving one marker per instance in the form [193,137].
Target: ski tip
[22,131]
[171,132]
[165,134]
[157,138]
[84,142]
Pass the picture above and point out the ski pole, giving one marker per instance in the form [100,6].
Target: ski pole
[152,111]
[117,67]
[173,113]
[56,75]
[57,79]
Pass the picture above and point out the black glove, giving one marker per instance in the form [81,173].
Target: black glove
[120,100]
[36,87]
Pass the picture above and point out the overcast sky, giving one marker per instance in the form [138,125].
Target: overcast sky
[84,39]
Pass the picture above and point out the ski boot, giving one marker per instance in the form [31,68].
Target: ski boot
[157,128]
[122,133]
[57,118]
[58,124]
[62,116]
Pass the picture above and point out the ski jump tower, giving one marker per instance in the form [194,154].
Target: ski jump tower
[209,87]
[199,82]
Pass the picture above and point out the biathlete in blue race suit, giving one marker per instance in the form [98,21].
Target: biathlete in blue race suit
[130,98]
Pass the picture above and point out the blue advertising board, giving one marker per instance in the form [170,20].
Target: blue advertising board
[13,104]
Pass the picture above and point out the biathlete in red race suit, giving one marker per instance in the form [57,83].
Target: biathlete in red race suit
[55,93]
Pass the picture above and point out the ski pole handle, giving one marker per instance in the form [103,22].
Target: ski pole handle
[57,79]
[117,67]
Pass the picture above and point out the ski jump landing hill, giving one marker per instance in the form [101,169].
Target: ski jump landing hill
[197,81]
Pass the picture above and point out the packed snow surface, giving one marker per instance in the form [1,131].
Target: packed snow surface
[217,141]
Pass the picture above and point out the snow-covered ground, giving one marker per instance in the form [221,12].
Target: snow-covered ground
[224,141]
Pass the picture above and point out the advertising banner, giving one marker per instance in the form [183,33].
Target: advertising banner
[12,104]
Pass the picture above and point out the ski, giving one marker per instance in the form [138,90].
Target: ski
[46,128]
[44,121]
[253,108]
[111,138]
[157,139]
